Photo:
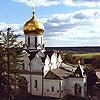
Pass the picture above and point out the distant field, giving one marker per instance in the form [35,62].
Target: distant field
[87,55]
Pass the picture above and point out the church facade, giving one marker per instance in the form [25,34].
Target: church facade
[45,71]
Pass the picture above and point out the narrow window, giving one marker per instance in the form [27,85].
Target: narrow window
[28,41]
[52,89]
[25,39]
[23,66]
[41,40]
[35,42]
[35,86]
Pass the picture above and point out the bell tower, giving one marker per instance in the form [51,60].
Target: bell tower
[33,31]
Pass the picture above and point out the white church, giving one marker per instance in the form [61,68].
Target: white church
[45,71]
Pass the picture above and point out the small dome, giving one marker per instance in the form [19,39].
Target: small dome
[33,27]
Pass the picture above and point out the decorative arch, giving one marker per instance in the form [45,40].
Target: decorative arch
[77,89]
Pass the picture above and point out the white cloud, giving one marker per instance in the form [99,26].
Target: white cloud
[37,3]
[46,3]
[88,3]
[80,28]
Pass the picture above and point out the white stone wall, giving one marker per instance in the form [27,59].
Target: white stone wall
[60,87]
[38,90]
[48,84]
[35,91]
[69,85]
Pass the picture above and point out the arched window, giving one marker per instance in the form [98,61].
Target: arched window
[77,89]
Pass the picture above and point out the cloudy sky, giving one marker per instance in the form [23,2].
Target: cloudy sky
[67,22]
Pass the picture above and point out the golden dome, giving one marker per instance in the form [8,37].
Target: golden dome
[33,27]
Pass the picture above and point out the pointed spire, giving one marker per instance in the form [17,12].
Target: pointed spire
[33,11]
[33,14]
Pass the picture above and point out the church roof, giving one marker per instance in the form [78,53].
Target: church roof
[61,73]
[58,74]
[69,67]
[65,71]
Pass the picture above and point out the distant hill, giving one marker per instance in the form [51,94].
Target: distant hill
[79,49]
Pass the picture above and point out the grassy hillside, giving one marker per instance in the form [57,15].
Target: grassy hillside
[87,55]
